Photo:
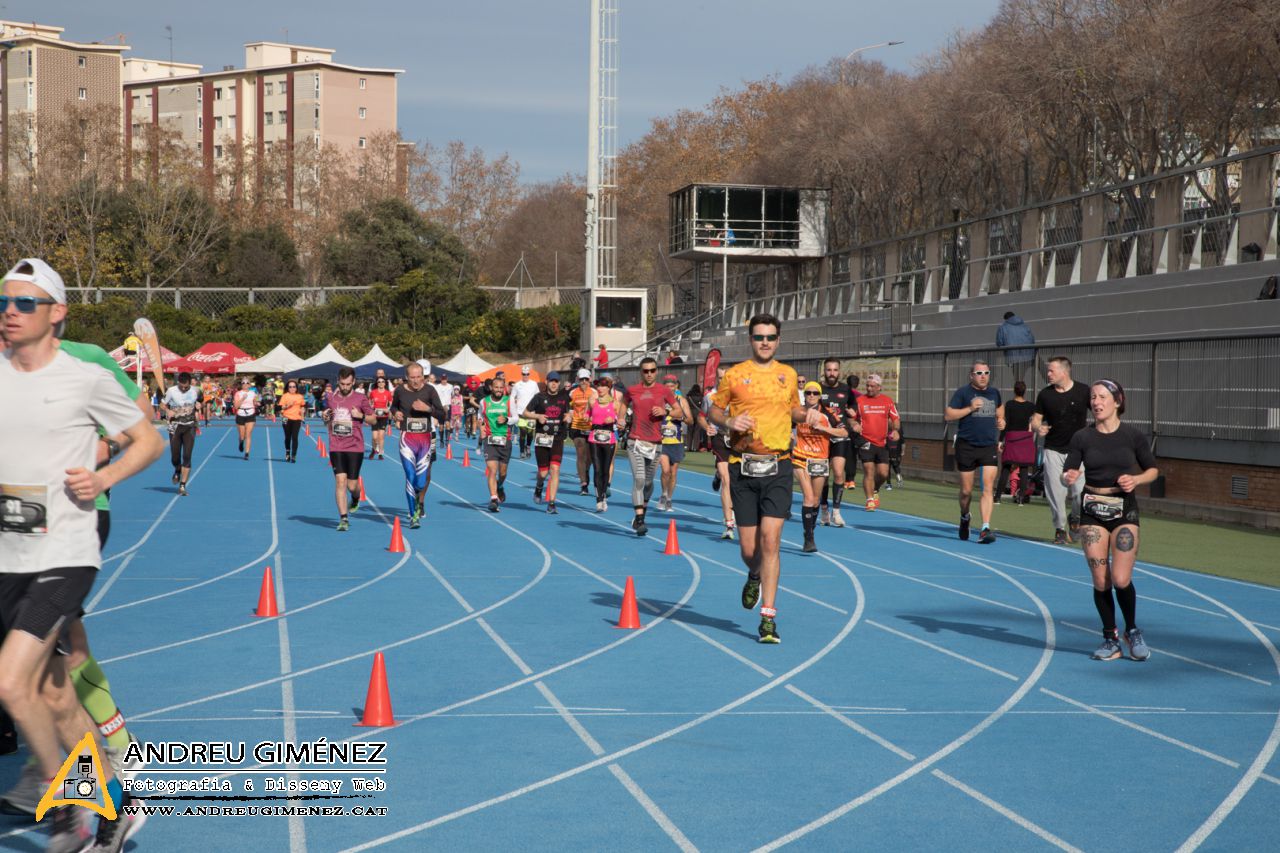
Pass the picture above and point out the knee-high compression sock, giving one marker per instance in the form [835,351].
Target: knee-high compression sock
[809,515]
[1106,604]
[837,494]
[1128,599]
[94,692]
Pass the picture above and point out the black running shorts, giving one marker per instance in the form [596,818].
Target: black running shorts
[758,497]
[868,452]
[40,603]
[241,420]
[346,462]
[970,457]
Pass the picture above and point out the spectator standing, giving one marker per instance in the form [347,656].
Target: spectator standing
[1018,444]
[1015,337]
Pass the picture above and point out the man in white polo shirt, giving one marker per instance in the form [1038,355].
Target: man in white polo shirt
[49,553]
[522,394]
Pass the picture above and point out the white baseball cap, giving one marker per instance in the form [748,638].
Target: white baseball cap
[524,371]
[41,275]
[583,373]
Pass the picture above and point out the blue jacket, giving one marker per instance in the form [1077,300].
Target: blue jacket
[1013,332]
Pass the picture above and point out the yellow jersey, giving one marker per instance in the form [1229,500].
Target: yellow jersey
[767,393]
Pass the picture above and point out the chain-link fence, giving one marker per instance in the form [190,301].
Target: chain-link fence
[212,301]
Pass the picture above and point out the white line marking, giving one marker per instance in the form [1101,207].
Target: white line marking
[586,710]
[1021,821]
[945,651]
[1137,708]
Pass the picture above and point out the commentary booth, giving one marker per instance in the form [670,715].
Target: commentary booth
[622,323]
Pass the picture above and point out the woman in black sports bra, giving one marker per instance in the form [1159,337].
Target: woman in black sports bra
[1111,452]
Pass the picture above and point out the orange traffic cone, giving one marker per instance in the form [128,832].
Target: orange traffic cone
[397,542]
[306,428]
[448,450]
[364,497]
[629,617]
[466,458]
[267,597]
[324,454]
[673,541]
[377,704]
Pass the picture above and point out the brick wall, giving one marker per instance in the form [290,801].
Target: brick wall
[1186,481]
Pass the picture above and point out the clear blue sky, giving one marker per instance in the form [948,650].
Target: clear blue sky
[511,75]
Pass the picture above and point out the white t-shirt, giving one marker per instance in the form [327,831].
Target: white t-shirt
[51,424]
[183,405]
[246,402]
[522,394]
[445,392]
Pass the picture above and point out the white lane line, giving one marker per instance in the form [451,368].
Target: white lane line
[943,650]
[1078,582]
[1021,821]
[1183,658]
[831,711]
[132,551]
[1265,753]
[638,794]
[1137,708]
[1046,655]
[172,503]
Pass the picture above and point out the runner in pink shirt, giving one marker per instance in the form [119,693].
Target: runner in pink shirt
[345,412]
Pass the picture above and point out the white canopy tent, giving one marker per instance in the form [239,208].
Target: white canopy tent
[466,362]
[323,364]
[279,360]
[375,355]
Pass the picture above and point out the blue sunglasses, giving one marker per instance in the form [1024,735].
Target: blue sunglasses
[25,304]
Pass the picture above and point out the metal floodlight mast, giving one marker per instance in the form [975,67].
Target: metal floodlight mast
[602,156]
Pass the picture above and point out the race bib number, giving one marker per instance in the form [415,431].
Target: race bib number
[544,439]
[759,465]
[381,413]
[818,467]
[602,436]
[670,431]
[416,425]
[342,428]
[646,449]
[23,509]
[1103,507]
[498,440]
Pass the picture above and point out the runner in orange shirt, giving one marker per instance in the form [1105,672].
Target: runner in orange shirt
[292,407]
[811,458]
[876,421]
[580,427]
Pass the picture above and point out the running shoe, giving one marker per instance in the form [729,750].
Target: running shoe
[986,537]
[871,505]
[67,832]
[502,495]
[371,453]
[537,494]
[1109,650]
[493,504]
[768,631]
[810,547]
[415,521]
[582,490]
[899,479]
[964,528]
[825,517]
[875,496]
[750,593]
[888,487]
[112,834]
[836,519]
[1060,537]
[599,506]
[642,529]
[728,532]
[182,489]
[242,445]
[1137,645]
[25,795]
[551,508]
[355,503]
[177,475]
[715,481]
[1073,525]
[343,525]
[380,457]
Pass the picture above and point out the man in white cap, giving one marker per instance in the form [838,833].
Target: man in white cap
[49,551]
[522,394]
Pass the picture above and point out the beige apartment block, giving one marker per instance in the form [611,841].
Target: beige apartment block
[42,77]
[285,95]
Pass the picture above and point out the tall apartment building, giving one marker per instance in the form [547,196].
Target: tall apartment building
[285,95]
[41,75]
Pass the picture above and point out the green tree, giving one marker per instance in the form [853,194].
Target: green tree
[261,257]
[385,240]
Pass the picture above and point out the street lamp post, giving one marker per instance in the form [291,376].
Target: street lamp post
[858,50]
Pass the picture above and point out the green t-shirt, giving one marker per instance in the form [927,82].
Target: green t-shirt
[94,354]
[493,409]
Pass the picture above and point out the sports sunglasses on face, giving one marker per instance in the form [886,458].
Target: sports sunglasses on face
[25,304]
[759,338]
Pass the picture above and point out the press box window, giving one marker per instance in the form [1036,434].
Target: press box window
[617,312]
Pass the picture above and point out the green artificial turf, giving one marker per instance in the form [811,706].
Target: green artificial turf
[1243,553]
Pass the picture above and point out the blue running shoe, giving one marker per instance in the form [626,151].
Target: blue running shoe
[1109,650]
[1137,645]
